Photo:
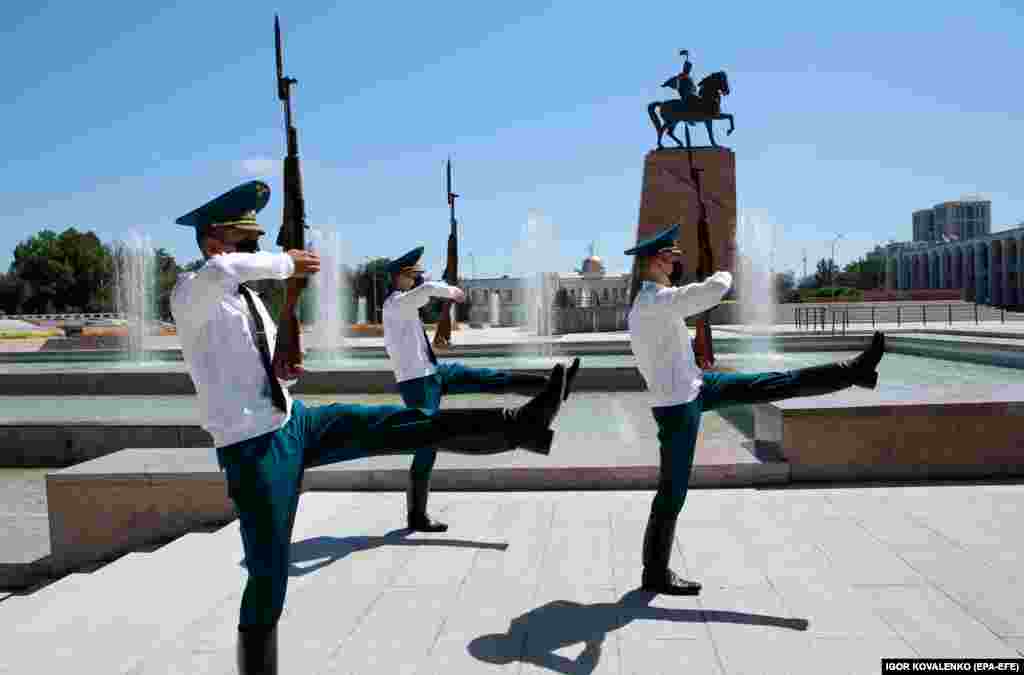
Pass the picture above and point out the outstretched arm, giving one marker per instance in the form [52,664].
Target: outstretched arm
[698,297]
[418,297]
[224,273]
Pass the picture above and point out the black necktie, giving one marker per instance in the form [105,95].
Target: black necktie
[276,391]
[430,350]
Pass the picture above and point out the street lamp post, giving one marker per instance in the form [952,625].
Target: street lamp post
[835,266]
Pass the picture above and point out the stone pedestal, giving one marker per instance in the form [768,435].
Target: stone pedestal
[668,196]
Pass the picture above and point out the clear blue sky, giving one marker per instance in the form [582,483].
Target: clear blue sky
[848,117]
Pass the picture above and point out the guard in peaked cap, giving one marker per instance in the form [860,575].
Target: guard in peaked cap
[663,241]
[422,380]
[682,391]
[406,263]
[236,208]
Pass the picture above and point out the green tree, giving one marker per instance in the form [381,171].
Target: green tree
[866,273]
[11,289]
[825,273]
[785,284]
[67,272]
[166,271]
[371,281]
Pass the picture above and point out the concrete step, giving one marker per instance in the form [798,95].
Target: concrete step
[325,590]
[32,604]
[111,619]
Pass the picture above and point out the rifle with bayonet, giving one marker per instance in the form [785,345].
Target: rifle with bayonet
[703,350]
[443,335]
[288,350]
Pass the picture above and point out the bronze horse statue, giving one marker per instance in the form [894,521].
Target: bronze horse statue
[702,107]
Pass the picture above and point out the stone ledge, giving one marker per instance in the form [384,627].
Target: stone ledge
[128,499]
[900,433]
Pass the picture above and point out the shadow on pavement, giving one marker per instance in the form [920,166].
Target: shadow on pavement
[534,637]
[328,550]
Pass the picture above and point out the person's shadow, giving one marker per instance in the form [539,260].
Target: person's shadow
[534,636]
[328,550]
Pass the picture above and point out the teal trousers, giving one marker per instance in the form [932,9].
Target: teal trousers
[678,425]
[452,378]
[264,476]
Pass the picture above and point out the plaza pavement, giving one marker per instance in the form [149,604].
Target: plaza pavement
[826,580]
[795,580]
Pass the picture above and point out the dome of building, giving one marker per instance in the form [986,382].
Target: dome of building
[592,265]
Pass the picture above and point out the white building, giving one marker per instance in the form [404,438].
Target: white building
[591,286]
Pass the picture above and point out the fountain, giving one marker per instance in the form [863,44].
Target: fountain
[534,258]
[494,305]
[362,310]
[755,286]
[331,295]
[134,292]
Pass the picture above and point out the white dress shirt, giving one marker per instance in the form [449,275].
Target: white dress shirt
[403,330]
[218,342]
[661,340]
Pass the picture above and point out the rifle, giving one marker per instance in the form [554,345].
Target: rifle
[288,350]
[443,335]
[703,350]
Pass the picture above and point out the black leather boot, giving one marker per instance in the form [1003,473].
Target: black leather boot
[524,384]
[657,577]
[478,431]
[416,507]
[570,375]
[257,652]
[529,423]
[867,361]
[858,371]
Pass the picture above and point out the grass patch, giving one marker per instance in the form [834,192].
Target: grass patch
[23,334]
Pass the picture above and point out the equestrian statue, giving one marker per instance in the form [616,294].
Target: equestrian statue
[695,104]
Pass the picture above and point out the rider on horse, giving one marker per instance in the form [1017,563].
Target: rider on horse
[682,82]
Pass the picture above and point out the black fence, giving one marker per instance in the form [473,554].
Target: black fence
[839,318]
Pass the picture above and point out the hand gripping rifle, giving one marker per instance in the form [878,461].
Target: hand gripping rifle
[443,335]
[288,351]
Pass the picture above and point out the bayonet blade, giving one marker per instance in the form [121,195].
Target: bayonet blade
[282,88]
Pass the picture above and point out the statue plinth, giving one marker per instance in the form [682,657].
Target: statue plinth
[668,196]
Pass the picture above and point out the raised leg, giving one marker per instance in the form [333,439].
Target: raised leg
[723,389]
[342,432]
[459,379]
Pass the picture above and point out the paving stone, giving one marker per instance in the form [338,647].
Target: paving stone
[523,582]
[669,657]
[832,610]
[859,559]
[751,629]
[933,624]
[848,656]
[396,635]
[448,561]
[1015,642]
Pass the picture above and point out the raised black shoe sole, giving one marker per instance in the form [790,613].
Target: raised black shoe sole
[570,375]
[540,443]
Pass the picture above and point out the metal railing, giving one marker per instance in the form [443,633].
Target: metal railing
[839,318]
[60,317]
